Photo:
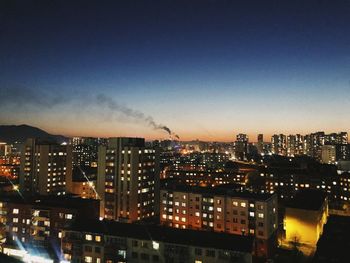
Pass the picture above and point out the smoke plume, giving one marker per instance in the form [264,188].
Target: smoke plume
[23,98]
[114,106]
[20,97]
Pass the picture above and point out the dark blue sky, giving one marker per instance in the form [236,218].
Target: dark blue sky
[207,69]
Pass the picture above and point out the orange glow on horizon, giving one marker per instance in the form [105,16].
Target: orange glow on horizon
[189,133]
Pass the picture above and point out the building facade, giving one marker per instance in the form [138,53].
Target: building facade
[221,210]
[128,177]
[279,144]
[33,225]
[304,219]
[46,168]
[112,242]
[241,146]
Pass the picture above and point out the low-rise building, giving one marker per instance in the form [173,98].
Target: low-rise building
[33,225]
[84,188]
[111,242]
[305,216]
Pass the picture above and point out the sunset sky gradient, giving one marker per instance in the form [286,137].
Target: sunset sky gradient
[206,69]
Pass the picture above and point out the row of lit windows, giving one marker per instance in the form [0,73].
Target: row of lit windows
[90,237]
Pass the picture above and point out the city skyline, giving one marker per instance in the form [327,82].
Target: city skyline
[206,69]
[174,131]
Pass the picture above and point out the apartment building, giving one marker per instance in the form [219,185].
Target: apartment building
[46,168]
[221,209]
[111,242]
[33,225]
[128,178]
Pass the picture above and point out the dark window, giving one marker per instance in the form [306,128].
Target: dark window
[134,255]
[198,251]
[210,253]
[242,221]
[88,248]
[144,256]
[97,249]
[260,224]
[155,258]
[235,212]
[134,243]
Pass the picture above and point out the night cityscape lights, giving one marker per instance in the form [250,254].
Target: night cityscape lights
[194,131]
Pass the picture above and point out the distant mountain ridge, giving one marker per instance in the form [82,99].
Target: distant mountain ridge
[13,133]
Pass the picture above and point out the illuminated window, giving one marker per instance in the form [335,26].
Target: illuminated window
[155,245]
[88,259]
[15,220]
[69,216]
[88,237]
[15,211]
[98,238]
[261,215]
[36,213]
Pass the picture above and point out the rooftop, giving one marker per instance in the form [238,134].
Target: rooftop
[233,190]
[67,201]
[165,234]
[307,200]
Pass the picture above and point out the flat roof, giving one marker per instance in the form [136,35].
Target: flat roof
[65,201]
[232,190]
[307,200]
[185,237]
